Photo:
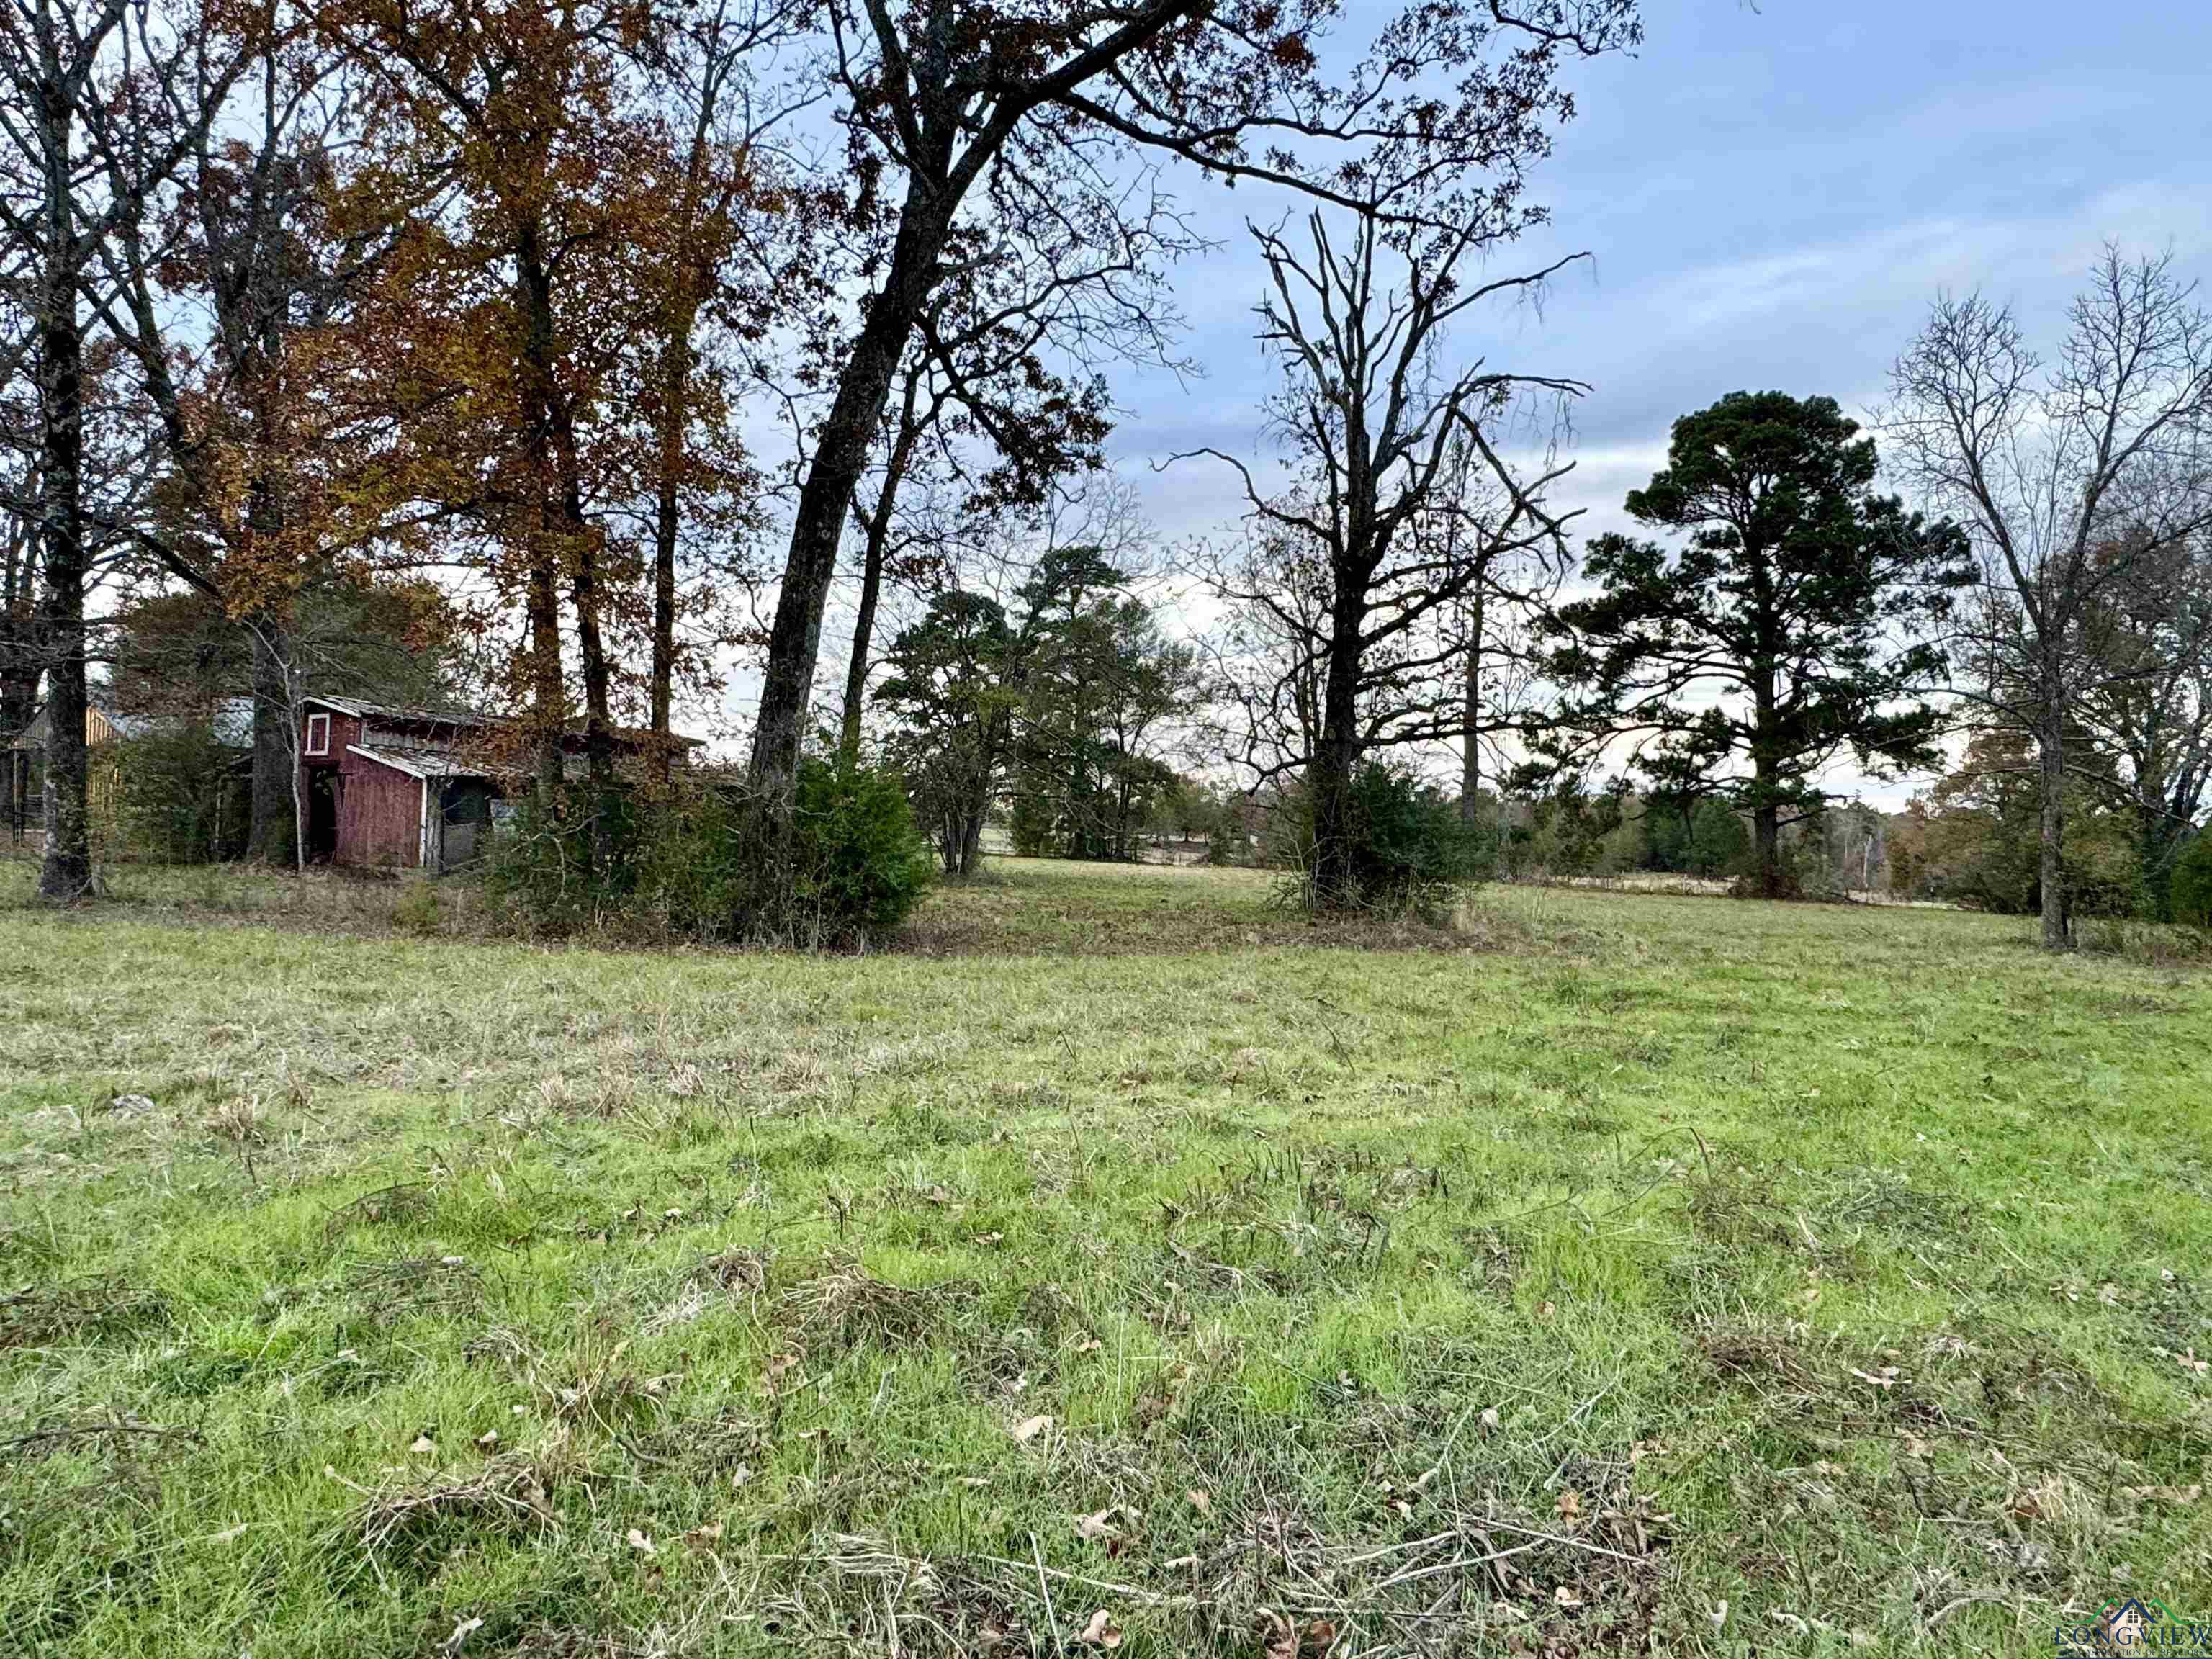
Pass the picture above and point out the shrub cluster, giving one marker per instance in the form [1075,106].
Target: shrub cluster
[682,864]
[1411,851]
[175,795]
[2191,891]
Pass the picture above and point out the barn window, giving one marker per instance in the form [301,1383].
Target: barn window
[319,734]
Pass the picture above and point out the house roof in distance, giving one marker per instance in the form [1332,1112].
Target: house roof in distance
[230,719]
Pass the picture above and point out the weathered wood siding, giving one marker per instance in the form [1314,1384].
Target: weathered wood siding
[345,729]
[380,816]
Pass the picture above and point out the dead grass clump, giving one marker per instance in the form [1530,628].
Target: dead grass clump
[1491,1260]
[605,1396]
[730,1278]
[574,1642]
[1886,1203]
[1047,1309]
[861,1596]
[88,1309]
[845,1308]
[1271,1552]
[407,1520]
[736,1271]
[385,1293]
[1748,1354]
[240,1120]
[726,1449]
[405,1200]
[1009,1364]
[1735,1210]
[121,1431]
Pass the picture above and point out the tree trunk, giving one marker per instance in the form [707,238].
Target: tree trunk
[541,390]
[67,874]
[675,412]
[840,457]
[542,605]
[1470,761]
[19,673]
[2051,755]
[971,841]
[878,525]
[856,666]
[270,837]
[582,547]
[598,725]
[1336,832]
[1767,840]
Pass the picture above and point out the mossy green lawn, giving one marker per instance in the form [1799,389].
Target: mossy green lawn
[1613,1273]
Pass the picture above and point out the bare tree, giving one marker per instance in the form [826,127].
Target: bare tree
[1501,688]
[1402,509]
[2072,475]
[713,278]
[1035,115]
[975,371]
[72,69]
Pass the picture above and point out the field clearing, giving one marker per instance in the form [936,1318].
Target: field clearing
[1121,1266]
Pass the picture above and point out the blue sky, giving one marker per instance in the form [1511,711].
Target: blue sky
[1771,198]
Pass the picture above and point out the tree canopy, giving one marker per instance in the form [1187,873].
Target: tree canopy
[1795,617]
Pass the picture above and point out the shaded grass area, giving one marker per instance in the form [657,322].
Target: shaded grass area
[1611,1274]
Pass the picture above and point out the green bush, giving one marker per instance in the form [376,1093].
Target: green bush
[2191,891]
[2154,944]
[537,873]
[859,862]
[1718,843]
[172,796]
[684,864]
[1224,842]
[1411,850]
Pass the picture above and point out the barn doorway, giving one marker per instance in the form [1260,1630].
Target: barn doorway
[322,816]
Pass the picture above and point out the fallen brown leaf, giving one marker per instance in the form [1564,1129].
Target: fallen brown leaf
[1094,1527]
[1101,1631]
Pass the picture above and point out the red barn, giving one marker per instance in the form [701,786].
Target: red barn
[403,789]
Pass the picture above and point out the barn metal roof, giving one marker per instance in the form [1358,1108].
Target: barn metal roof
[419,762]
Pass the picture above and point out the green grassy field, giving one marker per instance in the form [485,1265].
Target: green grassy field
[1120,1267]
